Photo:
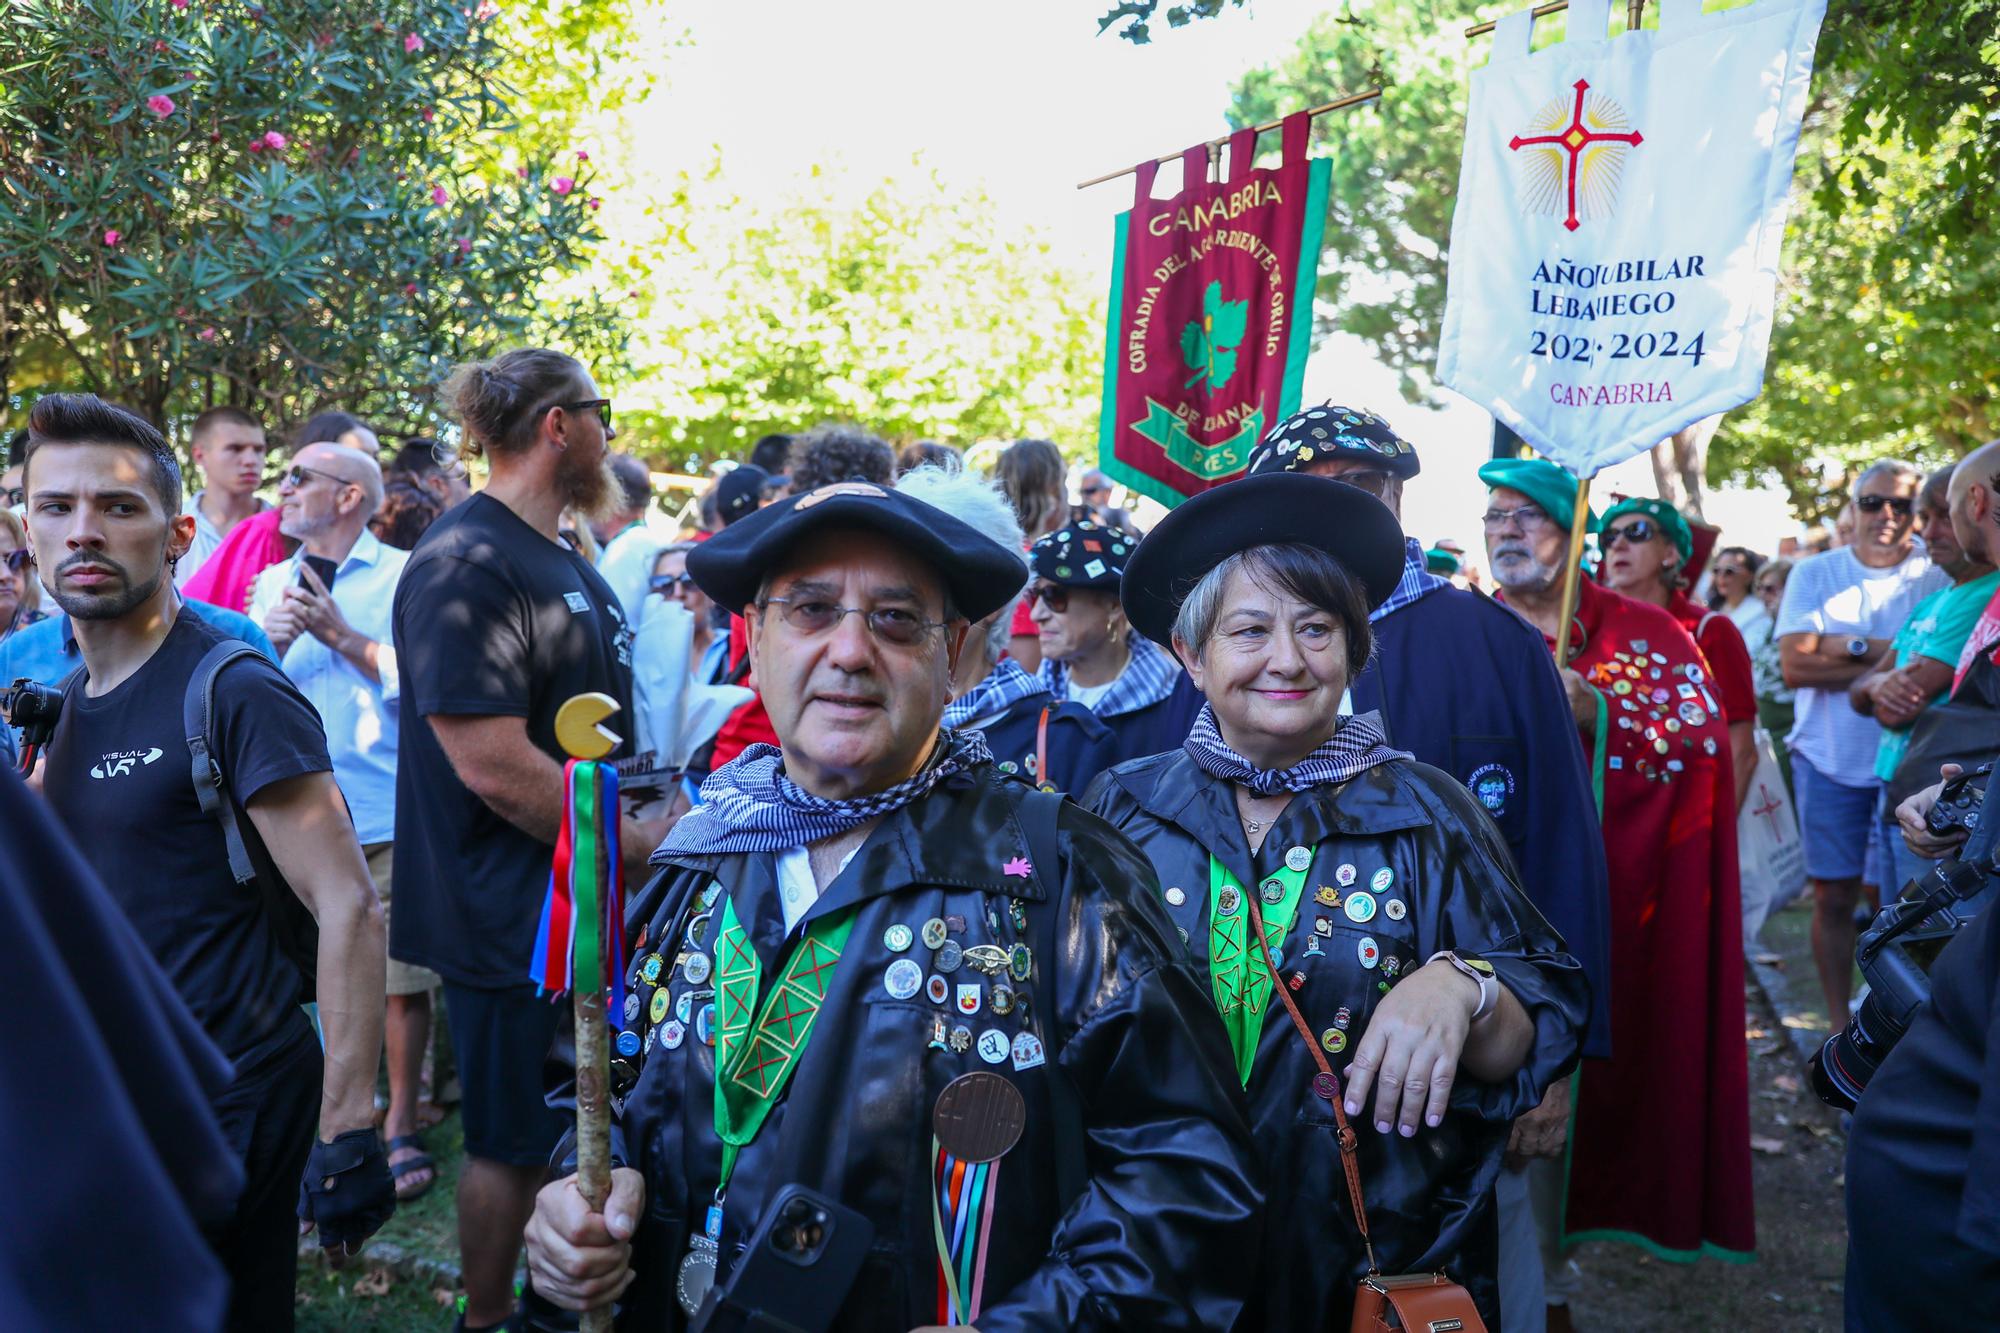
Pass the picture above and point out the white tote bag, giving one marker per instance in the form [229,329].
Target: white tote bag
[1770,858]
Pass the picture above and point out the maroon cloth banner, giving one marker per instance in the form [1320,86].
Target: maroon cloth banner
[1211,315]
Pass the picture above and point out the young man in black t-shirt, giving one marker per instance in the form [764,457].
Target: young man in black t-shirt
[497,625]
[104,517]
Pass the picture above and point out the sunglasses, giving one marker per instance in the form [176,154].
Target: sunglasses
[1638,532]
[602,406]
[18,559]
[1373,480]
[1733,571]
[666,584]
[295,476]
[889,624]
[1052,595]
[1872,504]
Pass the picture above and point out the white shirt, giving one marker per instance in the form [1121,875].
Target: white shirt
[1088,695]
[206,538]
[360,715]
[627,565]
[1836,596]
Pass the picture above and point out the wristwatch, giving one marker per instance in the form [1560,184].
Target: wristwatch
[1481,972]
[1857,648]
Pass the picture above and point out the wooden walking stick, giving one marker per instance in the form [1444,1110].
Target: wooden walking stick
[580,946]
[1579,525]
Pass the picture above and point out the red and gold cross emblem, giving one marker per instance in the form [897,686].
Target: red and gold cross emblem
[1573,140]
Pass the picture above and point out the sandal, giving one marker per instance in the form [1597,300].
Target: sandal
[409,1166]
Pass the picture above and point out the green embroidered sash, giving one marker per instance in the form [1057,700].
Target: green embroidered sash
[754,1061]
[1242,983]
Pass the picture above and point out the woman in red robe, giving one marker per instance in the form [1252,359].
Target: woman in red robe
[1660,1147]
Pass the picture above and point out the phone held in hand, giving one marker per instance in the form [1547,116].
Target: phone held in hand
[321,566]
[795,1273]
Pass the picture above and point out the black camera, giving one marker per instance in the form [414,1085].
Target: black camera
[34,708]
[1897,950]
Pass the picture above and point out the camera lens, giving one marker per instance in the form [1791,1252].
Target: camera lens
[1850,1057]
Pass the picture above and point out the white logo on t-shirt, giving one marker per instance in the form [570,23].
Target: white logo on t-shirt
[119,762]
[578,603]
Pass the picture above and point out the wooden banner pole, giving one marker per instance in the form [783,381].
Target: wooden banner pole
[1635,14]
[1339,103]
[1578,527]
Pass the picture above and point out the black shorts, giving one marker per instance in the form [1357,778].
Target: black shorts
[500,1038]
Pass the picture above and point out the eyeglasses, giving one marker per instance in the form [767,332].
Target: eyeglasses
[1052,595]
[1771,589]
[1872,504]
[295,476]
[668,584]
[602,406]
[1374,480]
[890,624]
[1525,515]
[1638,532]
[18,559]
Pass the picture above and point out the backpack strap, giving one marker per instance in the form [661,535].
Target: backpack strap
[197,711]
[1038,811]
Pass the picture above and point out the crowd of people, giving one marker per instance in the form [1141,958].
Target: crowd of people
[1017,808]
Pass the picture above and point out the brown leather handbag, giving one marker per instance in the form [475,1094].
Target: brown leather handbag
[1414,1302]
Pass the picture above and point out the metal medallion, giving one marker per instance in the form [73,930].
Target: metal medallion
[1002,999]
[633,1007]
[1394,909]
[1382,879]
[961,1039]
[1346,874]
[1298,858]
[698,968]
[697,1274]
[1272,891]
[1369,952]
[649,971]
[970,996]
[1326,1087]
[672,1033]
[989,959]
[1028,1052]
[1359,907]
[629,1043]
[1333,1041]
[949,957]
[1176,896]
[1228,900]
[994,1046]
[704,1024]
[938,989]
[1322,925]
[661,1002]
[1020,962]
[935,933]
[979,1116]
[898,938]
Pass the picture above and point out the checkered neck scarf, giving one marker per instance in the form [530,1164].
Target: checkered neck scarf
[1148,678]
[749,805]
[1005,685]
[1417,581]
[1357,746]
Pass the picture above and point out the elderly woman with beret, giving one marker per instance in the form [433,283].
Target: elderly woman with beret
[1090,654]
[1647,545]
[1312,868]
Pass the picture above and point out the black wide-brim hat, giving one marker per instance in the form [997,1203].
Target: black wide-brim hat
[1085,554]
[1277,509]
[981,574]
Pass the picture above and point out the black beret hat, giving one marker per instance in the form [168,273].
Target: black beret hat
[739,491]
[981,574]
[1328,431]
[1277,509]
[1083,555]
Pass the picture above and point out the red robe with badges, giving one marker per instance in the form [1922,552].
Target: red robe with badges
[1661,1151]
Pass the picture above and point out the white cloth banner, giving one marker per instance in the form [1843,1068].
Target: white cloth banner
[1614,253]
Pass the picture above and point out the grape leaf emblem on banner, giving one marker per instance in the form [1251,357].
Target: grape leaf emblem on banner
[1208,344]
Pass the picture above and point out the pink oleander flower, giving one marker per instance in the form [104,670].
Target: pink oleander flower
[465,245]
[487,9]
[409,289]
[207,335]
[272,140]
[427,115]
[111,237]
[412,43]
[595,204]
[522,172]
[582,156]
[439,197]
[160,105]
[180,5]
[563,185]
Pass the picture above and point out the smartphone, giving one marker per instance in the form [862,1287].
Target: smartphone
[321,566]
[795,1273]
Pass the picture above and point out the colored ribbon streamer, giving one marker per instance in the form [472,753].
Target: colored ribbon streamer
[1242,989]
[963,1200]
[580,940]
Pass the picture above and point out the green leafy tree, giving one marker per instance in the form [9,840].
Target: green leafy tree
[913,311]
[286,206]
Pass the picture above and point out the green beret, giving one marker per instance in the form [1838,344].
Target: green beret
[1668,517]
[1541,481]
[1440,561]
